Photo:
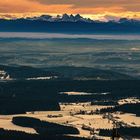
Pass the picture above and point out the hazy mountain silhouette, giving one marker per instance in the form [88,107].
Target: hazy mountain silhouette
[69,24]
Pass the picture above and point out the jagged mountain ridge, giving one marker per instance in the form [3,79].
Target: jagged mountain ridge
[63,18]
[69,24]
[72,18]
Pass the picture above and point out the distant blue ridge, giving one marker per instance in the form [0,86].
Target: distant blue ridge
[26,25]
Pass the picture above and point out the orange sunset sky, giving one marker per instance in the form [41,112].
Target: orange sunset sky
[95,9]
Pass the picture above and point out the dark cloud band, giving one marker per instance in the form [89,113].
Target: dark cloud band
[128,5]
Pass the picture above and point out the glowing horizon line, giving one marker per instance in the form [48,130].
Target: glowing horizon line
[101,17]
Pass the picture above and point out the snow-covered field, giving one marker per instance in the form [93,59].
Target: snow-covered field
[69,115]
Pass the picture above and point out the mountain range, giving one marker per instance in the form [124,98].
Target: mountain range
[70,24]
[76,18]
[63,18]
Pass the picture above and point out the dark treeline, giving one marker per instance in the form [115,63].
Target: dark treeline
[117,88]
[123,131]
[16,135]
[22,72]
[43,127]
[21,96]
[72,72]
[21,106]
[127,108]
[105,103]
[64,72]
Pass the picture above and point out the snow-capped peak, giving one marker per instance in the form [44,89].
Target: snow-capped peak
[59,18]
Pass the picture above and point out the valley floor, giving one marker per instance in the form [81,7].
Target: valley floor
[79,115]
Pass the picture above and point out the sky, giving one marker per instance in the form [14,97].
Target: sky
[95,9]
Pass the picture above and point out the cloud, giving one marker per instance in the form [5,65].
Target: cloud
[127,5]
[25,6]
[95,8]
